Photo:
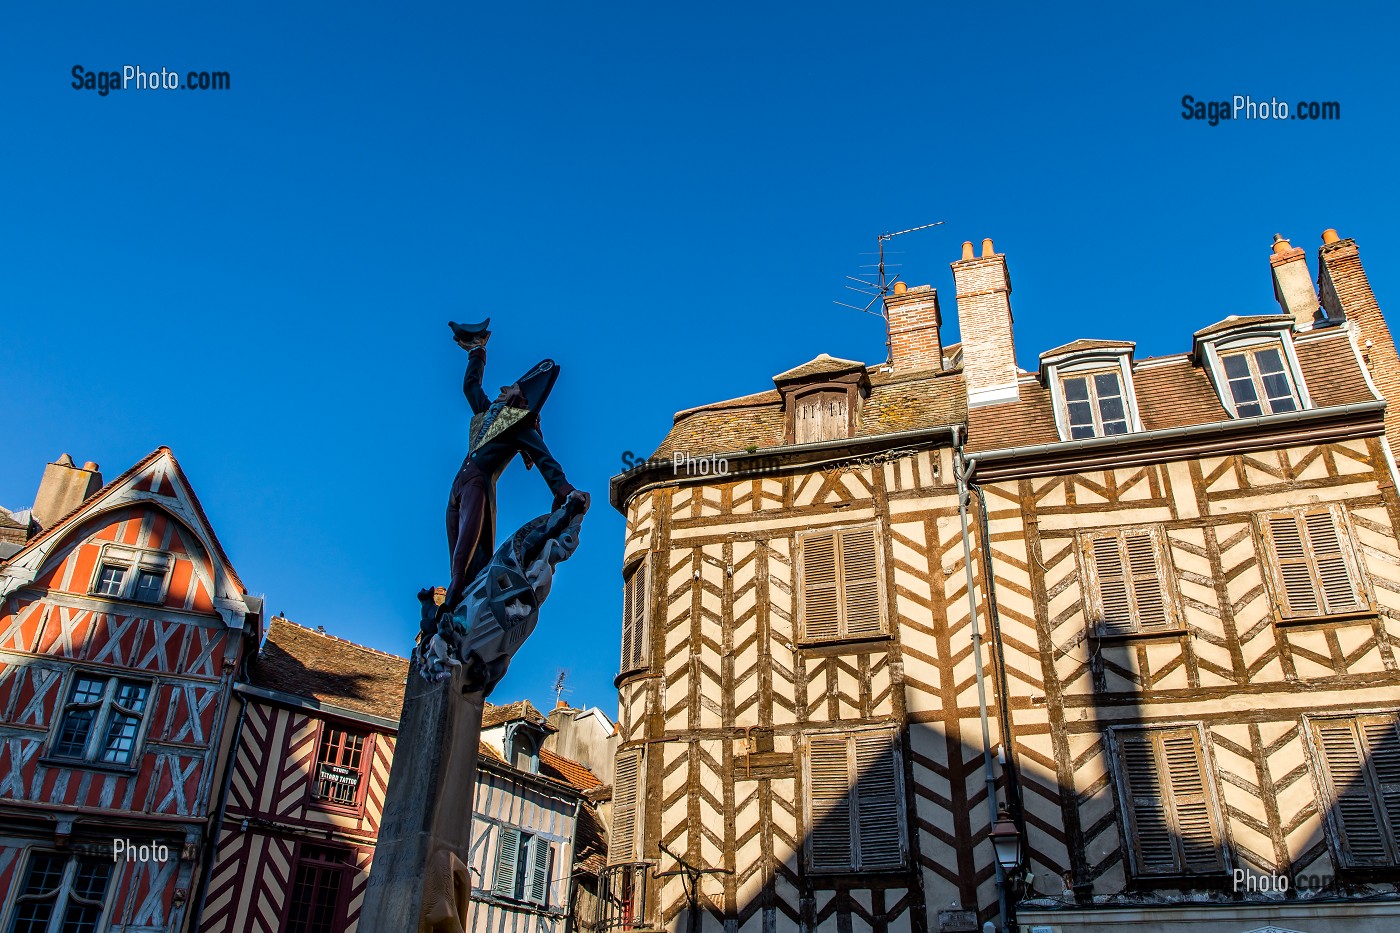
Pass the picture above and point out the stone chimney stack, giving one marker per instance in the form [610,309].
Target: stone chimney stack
[1346,294]
[1292,285]
[984,318]
[64,487]
[912,319]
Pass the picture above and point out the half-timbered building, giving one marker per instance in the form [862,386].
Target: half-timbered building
[122,625]
[316,720]
[1137,614]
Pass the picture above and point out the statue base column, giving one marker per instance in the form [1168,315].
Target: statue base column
[419,881]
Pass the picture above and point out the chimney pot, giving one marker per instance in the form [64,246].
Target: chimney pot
[987,249]
[1281,245]
[900,288]
[967,250]
[92,467]
[1330,236]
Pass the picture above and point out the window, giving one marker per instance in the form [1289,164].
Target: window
[841,585]
[1172,825]
[339,764]
[1130,591]
[1361,770]
[61,895]
[524,751]
[1094,405]
[1314,569]
[622,842]
[102,719]
[855,815]
[315,902]
[635,613]
[523,863]
[1258,381]
[131,573]
[821,416]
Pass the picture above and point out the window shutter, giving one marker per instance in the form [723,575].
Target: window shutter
[820,587]
[1299,591]
[623,845]
[541,854]
[1194,826]
[1383,745]
[1363,841]
[634,618]
[877,802]
[1113,587]
[1325,546]
[831,834]
[507,862]
[1147,806]
[1148,580]
[860,581]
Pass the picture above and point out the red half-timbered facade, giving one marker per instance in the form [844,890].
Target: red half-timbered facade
[122,627]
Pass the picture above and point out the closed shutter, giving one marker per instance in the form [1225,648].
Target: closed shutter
[507,862]
[634,618]
[1363,828]
[1148,580]
[1113,586]
[831,834]
[1131,583]
[821,591]
[860,580]
[1325,547]
[623,845]
[1299,592]
[1174,826]
[877,802]
[1195,825]
[541,856]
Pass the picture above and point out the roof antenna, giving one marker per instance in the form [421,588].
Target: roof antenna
[878,289]
[559,688]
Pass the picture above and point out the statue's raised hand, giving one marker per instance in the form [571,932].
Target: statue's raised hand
[470,336]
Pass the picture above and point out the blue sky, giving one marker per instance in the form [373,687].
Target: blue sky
[664,199]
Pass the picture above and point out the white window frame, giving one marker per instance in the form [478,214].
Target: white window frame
[133,561]
[1086,363]
[1253,337]
[105,708]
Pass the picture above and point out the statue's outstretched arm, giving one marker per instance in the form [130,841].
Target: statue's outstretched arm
[531,444]
[471,382]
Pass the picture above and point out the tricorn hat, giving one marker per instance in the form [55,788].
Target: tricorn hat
[469,331]
[536,384]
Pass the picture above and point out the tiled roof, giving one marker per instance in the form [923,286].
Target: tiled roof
[1236,320]
[824,365]
[1079,346]
[306,663]
[569,771]
[494,715]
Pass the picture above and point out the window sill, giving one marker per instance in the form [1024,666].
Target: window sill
[49,761]
[632,673]
[860,874]
[1360,615]
[1150,635]
[349,809]
[838,645]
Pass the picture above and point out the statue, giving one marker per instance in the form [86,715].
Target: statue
[419,881]
[492,600]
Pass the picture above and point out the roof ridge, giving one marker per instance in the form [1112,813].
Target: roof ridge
[325,634]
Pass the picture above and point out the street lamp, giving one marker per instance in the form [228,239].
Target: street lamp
[1006,841]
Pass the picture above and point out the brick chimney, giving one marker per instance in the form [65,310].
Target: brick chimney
[1346,294]
[912,319]
[64,487]
[1293,286]
[984,318]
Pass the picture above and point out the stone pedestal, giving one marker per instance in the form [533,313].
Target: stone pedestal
[419,882]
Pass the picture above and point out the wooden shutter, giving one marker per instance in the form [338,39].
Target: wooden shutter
[860,583]
[1174,828]
[541,855]
[821,590]
[1132,589]
[1299,591]
[879,835]
[507,862]
[1326,550]
[634,618]
[622,847]
[1148,580]
[1114,605]
[1366,839]
[831,835]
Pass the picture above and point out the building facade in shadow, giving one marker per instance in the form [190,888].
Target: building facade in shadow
[1184,575]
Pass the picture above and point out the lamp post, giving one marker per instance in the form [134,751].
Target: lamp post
[1006,841]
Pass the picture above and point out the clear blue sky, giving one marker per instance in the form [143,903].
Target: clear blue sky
[662,198]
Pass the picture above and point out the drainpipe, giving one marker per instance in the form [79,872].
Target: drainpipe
[1003,686]
[963,469]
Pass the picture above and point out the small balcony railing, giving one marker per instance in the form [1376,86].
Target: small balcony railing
[622,895]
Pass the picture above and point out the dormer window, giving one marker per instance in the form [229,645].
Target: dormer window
[822,416]
[821,399]
[1252,364]
[1091,386]
[132,573]
[523,749]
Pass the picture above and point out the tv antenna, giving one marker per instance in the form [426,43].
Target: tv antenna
[559,688]
[881,286]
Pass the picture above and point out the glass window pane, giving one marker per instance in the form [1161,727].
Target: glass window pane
[90,880]
[1276,386]
[88,690]
[149,585]
[110,581]
[120,742]
[1106,384]
[131,695]
[1115,427]
[1077,389]
[81,918]
[1249,410]
[1269,360]
[1080,431]
[1111,409]
[1243,391]
[73,734]
[1080,414]
[1236,366]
